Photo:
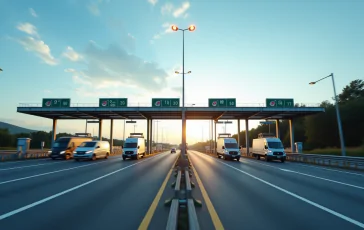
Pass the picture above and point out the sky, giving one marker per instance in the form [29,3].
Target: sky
[243,49]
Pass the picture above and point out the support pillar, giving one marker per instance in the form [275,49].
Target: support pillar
[214,145]
[100,129]
[148,147]
[247,137]
[211,135]
[54,131]
[239,132]
[291,134]
[151,137]
[278,134]
[111,135]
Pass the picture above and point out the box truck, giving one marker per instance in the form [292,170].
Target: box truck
[269,147]
[227,147]
[134,146]
[64,147]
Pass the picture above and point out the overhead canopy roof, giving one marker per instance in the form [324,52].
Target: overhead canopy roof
[192,113]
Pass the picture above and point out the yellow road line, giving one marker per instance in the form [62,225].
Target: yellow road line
[215,218]
[148,217]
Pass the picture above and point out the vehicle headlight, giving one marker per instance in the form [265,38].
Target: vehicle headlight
[62,152]
[49,152]
[74,152]
[89,151]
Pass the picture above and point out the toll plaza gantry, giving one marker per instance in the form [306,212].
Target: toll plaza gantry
[169,109]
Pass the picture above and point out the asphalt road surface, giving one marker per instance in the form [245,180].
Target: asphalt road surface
[102,194]
[253,194]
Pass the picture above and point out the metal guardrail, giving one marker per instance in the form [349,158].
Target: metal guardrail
[328,160]
[143,104]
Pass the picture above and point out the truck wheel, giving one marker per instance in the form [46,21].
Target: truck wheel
[67,157]
[93,157]
[258,157]
[282,160]
[107,155]
[238,159]
[266,158]
[123,158]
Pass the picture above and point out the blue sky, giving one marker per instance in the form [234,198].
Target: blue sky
[248,50]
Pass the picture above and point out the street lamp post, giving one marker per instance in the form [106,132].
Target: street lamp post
[343,152]
[190,28]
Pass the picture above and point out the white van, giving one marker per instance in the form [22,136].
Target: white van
[92,150]
[227,147]
[271,148]
[134,146]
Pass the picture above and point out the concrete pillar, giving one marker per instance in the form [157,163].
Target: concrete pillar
[291,134]
[111,134]
[54,131]
[247,137]
[100,129]
[211,135]
[151,137]
[238,132]
[148,147]
[214,144]
[278,134]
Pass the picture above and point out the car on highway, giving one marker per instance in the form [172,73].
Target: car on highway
[173,150]
[92,150]
[64,147]
[269,147]
[227,147]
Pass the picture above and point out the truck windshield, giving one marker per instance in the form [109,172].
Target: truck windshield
[62,143]
[275,145]
[88,144]
[231,145]
[130,145]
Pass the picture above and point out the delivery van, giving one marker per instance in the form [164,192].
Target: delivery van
[227,147]
[269,147]
[64,147]
[92,150]
[134,146]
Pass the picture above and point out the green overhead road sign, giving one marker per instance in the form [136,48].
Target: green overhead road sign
[279,102]
[56,102]
[165,102]
[222,102]
[113,102]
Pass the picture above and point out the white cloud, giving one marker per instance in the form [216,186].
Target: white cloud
[167,8]
[181,11]
[93,7]
[166,29]
[72,55]
[28,28]
[32,12]
[114,68]
[47,91]
[153,2]
[40,48]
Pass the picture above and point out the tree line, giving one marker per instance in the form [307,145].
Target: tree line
[321,130]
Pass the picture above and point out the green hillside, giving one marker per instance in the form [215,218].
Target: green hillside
[13,129]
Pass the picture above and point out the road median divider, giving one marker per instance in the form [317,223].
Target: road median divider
[182,214]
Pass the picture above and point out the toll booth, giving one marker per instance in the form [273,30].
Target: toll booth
[23,145]
[298,147]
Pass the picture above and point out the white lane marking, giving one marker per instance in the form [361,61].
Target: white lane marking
[57,171]
[321,178]
[309,175]
[6,215]
[355,222]
[334,170]
[20,167]
[22,161]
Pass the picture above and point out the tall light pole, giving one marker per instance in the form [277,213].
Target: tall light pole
[342,143]
[190,28]
[157,132]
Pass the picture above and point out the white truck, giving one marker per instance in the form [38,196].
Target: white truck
[134,146]
[269,147]
[227,147]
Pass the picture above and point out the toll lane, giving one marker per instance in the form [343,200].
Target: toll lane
[254,196]
[114,195]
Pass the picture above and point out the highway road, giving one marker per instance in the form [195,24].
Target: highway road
[102,194]
[253,194]
[117,194]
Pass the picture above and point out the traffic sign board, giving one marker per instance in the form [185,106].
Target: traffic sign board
[280,102]
[222,102]
[113,102]
[267,122]
[165,102]
[56,102]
